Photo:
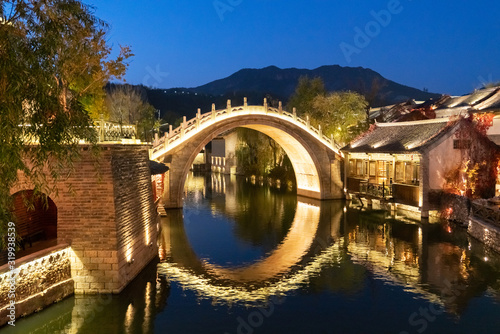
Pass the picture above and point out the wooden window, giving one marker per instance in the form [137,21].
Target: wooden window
[373,168]
[359,167]
[408,172]
[399,172]
[416,173]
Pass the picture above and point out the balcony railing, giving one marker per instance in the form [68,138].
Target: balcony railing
[375,189]
[406,194]
[486,212]
[362,186]
[400,193]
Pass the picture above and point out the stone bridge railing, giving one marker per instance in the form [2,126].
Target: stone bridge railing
[113,131]
[174,137]
[107,131]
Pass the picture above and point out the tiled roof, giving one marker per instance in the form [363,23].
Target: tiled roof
[492,102]
[400,137]
[487,99]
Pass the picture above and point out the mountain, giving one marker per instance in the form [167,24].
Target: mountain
[282,82]
[279,84]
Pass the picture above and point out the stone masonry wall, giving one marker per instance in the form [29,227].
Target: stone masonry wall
[95,217]
[135,210]
[40,279]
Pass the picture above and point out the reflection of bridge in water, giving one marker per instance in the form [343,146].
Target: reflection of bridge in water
[304,250]
[321,237]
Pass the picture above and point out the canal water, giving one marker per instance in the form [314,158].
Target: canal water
[245,258]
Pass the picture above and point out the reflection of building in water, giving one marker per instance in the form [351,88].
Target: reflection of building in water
[409,255]
[132,311]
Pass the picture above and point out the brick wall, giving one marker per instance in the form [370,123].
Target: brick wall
[106,213]
[43,216]
[133,195]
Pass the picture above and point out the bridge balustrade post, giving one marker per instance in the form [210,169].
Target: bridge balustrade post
[198,117]
[265,104]
[332,140]
[294,113]
[101,129]
[213,111]
[245,102]
[280,108]
[156,139]
[320,133]
[308,122]
[170,129]
[183,126]
[228,107]
[165,138]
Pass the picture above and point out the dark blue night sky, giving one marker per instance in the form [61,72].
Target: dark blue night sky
[448,47]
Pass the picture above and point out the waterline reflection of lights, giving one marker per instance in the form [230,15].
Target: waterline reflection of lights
[129,318]
[231,295]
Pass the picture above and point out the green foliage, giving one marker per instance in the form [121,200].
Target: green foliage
[53,63]
[307,90]
[258,154]
[342,114]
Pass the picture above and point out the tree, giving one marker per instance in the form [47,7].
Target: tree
[476,174]
[341,114]
[260,155]
[54,62]
[305,92]
[128,105]
[125,103]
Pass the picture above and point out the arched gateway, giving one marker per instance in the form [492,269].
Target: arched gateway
[315,158]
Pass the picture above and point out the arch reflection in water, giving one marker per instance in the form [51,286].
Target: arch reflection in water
[301,254]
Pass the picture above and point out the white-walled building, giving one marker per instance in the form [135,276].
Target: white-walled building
[404,162]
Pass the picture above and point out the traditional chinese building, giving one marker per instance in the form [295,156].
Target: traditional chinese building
[404,162]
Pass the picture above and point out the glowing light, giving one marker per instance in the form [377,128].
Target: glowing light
[128,255]
[129,318]
[486,258]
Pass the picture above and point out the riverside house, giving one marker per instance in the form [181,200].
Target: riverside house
[405,162]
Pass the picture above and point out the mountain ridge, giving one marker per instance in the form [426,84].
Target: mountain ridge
[279,84]
[282,82]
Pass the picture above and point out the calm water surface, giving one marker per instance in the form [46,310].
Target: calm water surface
[245,258]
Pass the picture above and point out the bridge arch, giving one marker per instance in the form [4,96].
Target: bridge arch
[315,158]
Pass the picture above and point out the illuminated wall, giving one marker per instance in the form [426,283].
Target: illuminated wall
[106,214]
[41,279]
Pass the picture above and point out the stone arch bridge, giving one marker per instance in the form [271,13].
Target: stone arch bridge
[316,158]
